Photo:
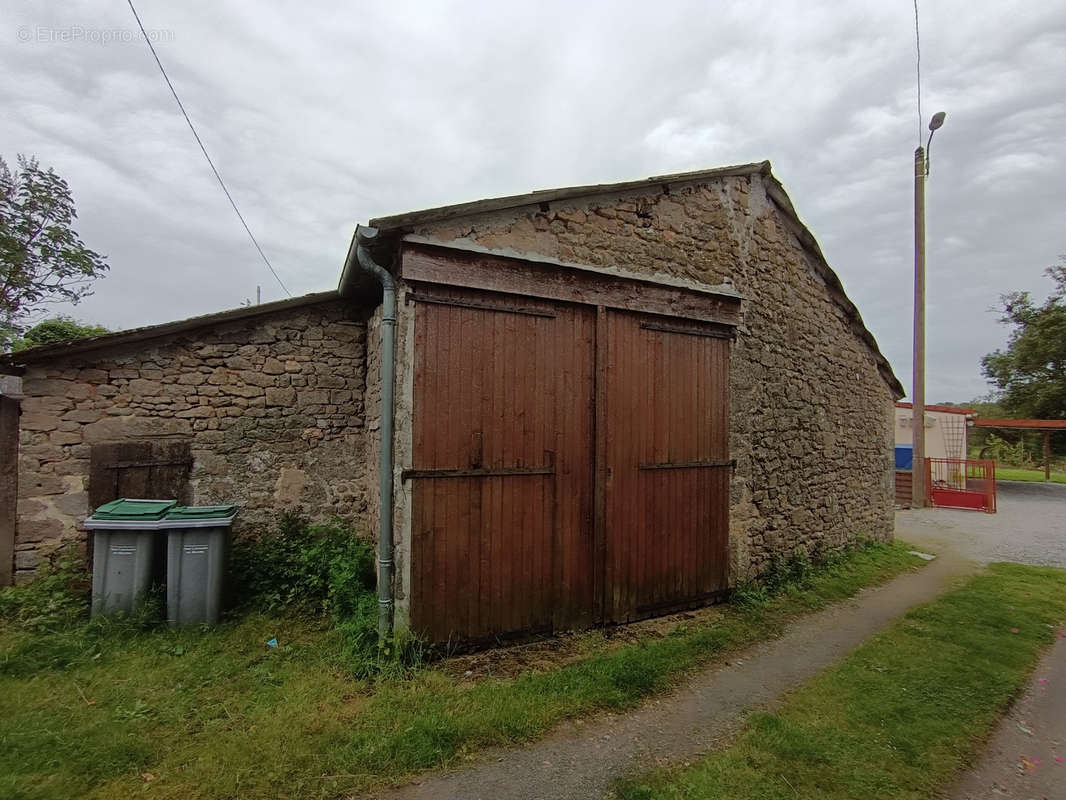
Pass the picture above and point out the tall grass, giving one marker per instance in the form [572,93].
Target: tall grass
[219,713]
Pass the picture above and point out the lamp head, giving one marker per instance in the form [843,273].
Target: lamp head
[937,120]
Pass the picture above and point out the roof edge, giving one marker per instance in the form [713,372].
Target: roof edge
[133,335]
[440,213]
[941,408]
[399,224]
[777,194]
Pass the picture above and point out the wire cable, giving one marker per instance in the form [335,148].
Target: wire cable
[918,69]
[203,149]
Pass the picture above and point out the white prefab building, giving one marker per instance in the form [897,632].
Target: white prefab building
[946,429]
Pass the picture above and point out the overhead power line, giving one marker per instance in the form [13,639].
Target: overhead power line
[918,68]
[203,149]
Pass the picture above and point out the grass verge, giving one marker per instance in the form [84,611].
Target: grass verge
[1017,474]
[901,714]
[102,711]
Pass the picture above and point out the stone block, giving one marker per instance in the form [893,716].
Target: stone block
[93,376]
[45,405]
[27,559]
[73,504]
[72,466]
[280,396]
[39,422]
[65,437]
[41,485]
[45,387]
[198,412]
[312,397]
[238,390]
[220,377]
[84,415]
[261,379]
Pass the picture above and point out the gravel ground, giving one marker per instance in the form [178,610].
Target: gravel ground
[1029,526]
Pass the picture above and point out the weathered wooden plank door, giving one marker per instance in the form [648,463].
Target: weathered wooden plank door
[148,470]
[667,465]
[501,476]
[9,448]
[152,470]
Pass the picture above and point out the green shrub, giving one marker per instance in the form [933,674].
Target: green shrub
[312,568]
[57,597]
[323,569]
[782,574]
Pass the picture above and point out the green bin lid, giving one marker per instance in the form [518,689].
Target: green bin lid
[132,510]
[201,512]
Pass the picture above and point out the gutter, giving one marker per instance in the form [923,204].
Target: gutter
[359,258]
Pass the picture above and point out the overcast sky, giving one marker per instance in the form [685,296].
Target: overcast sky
[322,115]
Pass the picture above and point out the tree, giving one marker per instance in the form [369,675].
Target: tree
[55,330]
[42,259]
[1030,375]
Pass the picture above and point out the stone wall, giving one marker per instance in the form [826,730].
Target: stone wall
[272,406]
[811,415]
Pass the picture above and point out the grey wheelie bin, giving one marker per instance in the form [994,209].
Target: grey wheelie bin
[124,537]
[197,551]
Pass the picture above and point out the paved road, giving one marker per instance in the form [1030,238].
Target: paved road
[1029,527]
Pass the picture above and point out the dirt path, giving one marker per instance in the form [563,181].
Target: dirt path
[582,759]
[1027,755]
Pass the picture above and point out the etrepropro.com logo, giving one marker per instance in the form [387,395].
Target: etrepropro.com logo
[79,34]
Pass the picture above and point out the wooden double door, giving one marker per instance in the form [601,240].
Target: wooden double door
[570,464]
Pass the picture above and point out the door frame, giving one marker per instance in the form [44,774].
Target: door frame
[423,263]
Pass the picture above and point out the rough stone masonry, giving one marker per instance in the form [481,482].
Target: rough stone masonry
[272,407]
[810,404]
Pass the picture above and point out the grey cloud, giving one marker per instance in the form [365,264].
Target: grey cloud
[321,115]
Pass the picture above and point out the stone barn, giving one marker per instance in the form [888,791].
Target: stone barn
[591,404]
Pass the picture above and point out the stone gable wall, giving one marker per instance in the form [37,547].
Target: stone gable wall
[272,407]
[811,415]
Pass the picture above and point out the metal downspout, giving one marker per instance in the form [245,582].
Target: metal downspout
[366,236]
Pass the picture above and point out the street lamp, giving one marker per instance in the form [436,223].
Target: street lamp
[919,491]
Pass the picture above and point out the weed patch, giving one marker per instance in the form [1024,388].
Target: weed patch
[218,713]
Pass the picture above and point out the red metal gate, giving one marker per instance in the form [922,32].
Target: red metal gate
[959,483]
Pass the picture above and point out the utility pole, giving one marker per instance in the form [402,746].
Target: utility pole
[919,491]
[918,488]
